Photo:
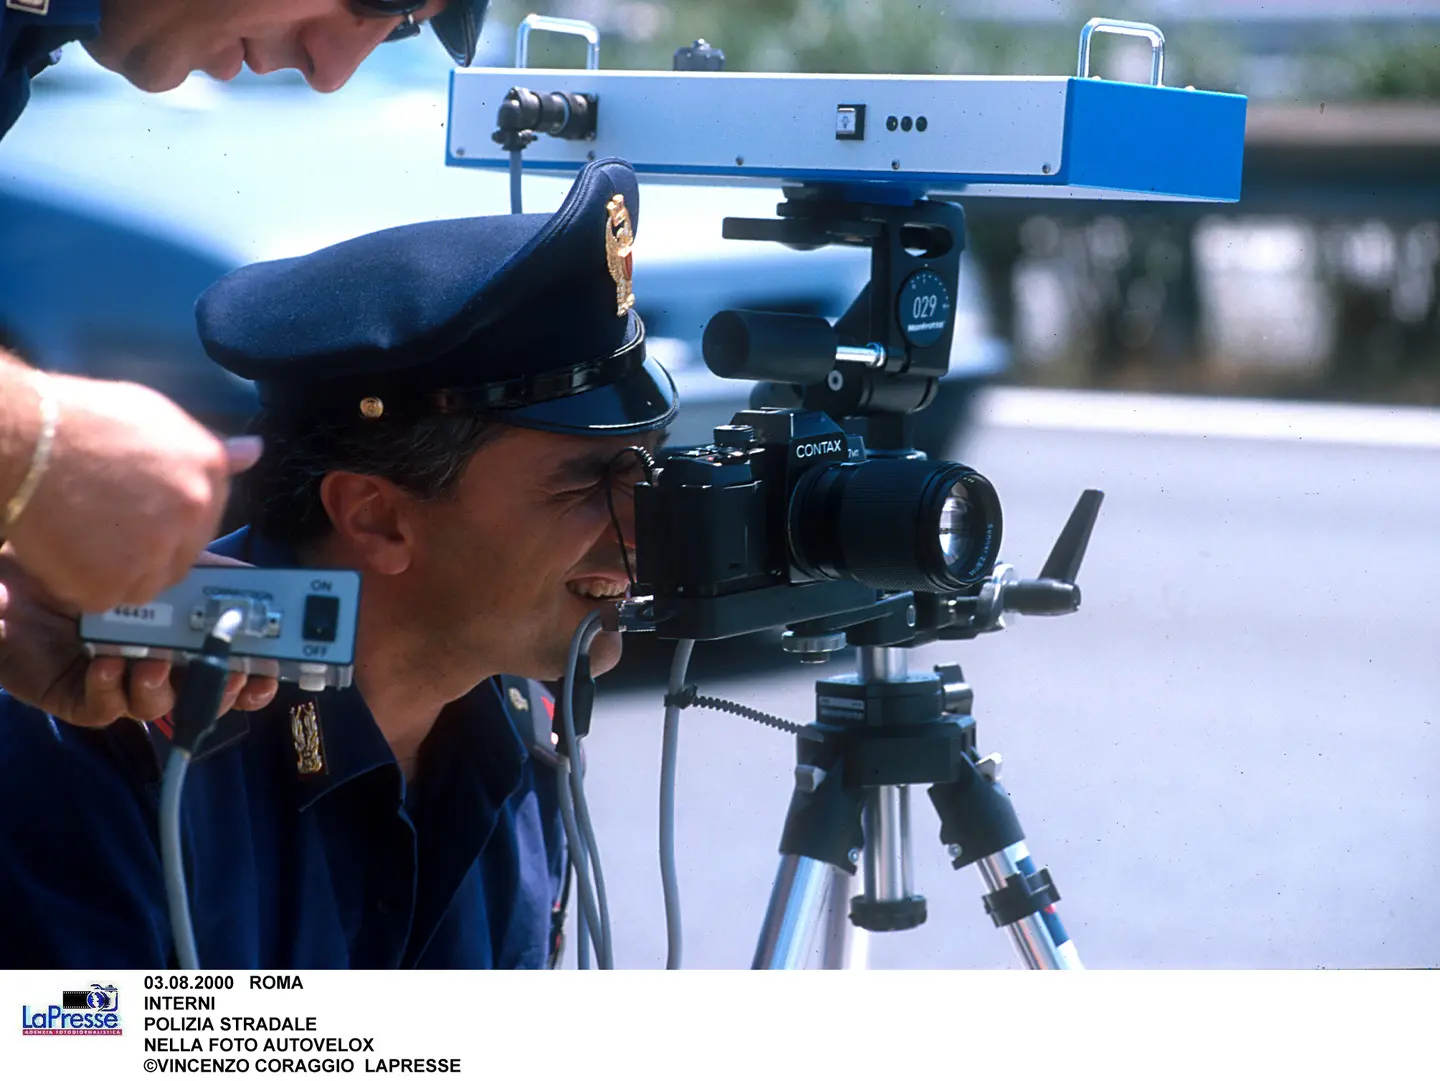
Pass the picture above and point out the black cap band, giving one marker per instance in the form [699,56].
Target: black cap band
[532,388]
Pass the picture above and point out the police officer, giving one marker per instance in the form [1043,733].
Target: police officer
[447,409]
[157,43]
[108,490]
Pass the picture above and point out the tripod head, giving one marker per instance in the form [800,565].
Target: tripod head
[883,359]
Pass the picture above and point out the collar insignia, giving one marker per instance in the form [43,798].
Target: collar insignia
[305,731]
[619,243]
[30,7]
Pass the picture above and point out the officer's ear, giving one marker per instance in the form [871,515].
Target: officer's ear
[370,519]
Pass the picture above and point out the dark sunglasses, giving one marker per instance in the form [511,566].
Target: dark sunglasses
[392,9]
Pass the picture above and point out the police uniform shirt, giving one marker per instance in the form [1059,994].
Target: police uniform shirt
[348,866]
[31,33]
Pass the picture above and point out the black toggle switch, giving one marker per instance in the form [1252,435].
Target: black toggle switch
[322,617]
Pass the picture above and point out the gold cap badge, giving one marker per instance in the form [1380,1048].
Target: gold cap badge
[517,699]
[619,244]
[305,731]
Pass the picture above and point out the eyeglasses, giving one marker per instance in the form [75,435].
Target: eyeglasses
[390,9]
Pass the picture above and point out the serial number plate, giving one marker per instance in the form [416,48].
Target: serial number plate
[148,615]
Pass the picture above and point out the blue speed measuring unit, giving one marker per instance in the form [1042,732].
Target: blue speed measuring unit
[943,136]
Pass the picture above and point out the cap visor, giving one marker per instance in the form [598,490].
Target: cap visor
[643,401]
[458,27]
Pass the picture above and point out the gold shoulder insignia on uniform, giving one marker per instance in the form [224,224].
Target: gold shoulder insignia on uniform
[305,731]
[619,245]
[517,699]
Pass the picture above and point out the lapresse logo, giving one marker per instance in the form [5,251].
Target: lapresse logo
[95,1012]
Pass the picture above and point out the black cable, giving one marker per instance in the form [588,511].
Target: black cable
[689,696]
[647,461]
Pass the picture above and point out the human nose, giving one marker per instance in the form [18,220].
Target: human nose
[338,47]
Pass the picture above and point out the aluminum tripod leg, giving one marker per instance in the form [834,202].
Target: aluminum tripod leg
[1040,938]
[810,898]
[795,913]
[844,944]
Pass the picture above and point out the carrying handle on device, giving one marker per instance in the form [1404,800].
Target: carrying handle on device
[1128,29]
[576,27]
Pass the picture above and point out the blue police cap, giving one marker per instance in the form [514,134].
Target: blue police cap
[526,317]
[458,27]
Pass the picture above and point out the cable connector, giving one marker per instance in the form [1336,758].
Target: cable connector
[203,686]
[684,698]
[525,115]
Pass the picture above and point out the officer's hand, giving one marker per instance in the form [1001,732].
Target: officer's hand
[43,663]
[135,489]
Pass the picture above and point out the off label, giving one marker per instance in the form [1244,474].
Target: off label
[145,615]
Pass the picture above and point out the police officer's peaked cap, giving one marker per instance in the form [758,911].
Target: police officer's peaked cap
[526,317]
[458,27]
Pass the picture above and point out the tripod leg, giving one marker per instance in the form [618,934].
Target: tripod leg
[978,825]
[1039,937]
[796,911]
[844,946]
[823,834]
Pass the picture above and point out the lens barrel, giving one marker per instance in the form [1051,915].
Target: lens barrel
[774,347]
[896,524]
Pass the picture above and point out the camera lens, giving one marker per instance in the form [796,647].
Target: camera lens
[896,524]
[954,513]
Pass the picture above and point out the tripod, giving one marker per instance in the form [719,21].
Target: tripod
[884,728]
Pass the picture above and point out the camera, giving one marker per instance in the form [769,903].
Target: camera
[813,502]
[787,498]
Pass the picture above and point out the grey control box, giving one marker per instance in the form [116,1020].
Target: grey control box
[296,624]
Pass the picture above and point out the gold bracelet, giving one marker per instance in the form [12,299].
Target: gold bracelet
[40,460]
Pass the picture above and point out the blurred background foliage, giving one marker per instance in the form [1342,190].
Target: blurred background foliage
[1299,52]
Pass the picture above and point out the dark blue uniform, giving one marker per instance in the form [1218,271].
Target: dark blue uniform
[347,867]
[523,320]
[31,33]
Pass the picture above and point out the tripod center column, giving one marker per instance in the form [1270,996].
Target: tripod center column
[887,808]
[882,665]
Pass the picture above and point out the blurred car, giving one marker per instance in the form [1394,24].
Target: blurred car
[83,292]
[118,208]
